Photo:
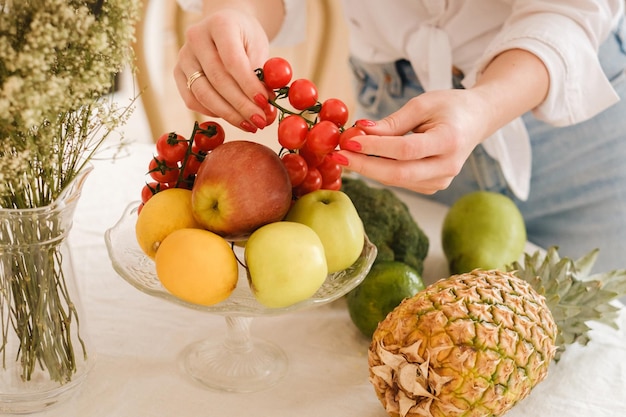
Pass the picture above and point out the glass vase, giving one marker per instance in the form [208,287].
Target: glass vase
[44,352]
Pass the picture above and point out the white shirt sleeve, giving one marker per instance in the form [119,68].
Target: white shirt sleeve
[565,35]
[191,5]
[294,27]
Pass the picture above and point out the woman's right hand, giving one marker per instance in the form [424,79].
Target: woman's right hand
[227,46]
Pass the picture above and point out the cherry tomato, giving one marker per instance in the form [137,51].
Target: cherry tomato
[172,147]
[276,72]
[323,137]
[188,177]
[312,182]
[192,166]
[348,134]
[209,136]
[302,94]
[332,185]
[312,159]
[162,171]
[186,183]
[296,166]
[329,169]
[334,110]
[151,189]
[292,131]
[197,152]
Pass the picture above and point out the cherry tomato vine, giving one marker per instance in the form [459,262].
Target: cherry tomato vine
[178,159]
[308,132]
[306,127]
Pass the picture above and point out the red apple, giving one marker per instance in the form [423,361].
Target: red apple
[240,186]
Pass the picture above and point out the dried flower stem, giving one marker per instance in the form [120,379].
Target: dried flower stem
[35,302]
[58,60]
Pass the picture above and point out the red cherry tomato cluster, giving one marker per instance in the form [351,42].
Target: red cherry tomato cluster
[308,131]
[178,159]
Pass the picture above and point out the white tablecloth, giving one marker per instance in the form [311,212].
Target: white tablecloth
[138,338]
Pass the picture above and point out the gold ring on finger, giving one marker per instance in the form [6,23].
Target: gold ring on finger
[193,77]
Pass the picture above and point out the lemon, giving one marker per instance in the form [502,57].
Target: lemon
[483,230]
[164,212]
[384,287]
[197,266]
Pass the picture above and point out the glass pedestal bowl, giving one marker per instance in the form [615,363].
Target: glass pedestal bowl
[239,362]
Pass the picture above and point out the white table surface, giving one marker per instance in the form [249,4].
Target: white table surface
[137,338]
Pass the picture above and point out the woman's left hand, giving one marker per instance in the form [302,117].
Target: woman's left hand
[423,145]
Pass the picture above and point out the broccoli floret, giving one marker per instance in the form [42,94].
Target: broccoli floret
[388,224]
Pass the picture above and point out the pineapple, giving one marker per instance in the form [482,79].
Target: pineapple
[474,344]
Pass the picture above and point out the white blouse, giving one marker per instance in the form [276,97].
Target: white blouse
[436,35]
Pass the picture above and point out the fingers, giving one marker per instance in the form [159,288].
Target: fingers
[240,62]
[425,176]
[408,147]
[186,65]
[422,146]
[423,162]
[228,87]
[414,116]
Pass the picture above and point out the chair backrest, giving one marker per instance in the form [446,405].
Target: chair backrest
[322,59]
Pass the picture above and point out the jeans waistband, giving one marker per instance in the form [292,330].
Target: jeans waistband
[611,54]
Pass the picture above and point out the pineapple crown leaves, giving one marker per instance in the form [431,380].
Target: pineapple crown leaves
[573,295]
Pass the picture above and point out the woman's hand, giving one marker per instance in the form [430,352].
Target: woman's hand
[227,46]
[422,146]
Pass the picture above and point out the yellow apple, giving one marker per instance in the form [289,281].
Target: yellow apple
[285,262]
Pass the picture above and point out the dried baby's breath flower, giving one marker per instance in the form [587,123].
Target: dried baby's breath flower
[58,62]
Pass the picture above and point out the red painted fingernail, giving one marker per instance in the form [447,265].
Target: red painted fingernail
[339,158]
[258,121]
[351,145]
[261,100]
[247,126]
[365,123]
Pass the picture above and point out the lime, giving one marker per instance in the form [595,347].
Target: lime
[384,287]
[483,230]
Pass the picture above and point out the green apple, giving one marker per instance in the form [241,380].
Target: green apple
[240,186]
[482,229]
[334,218]
[285,262]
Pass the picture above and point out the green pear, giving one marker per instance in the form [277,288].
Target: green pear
[482,230]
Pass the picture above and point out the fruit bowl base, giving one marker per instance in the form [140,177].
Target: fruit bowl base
[239,363]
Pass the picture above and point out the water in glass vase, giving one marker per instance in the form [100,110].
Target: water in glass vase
[44,349]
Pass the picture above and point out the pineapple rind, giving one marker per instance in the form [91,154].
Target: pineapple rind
[474,343]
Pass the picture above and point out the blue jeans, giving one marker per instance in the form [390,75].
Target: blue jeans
[578,188]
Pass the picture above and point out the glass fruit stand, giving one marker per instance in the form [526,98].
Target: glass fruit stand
[238,362]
